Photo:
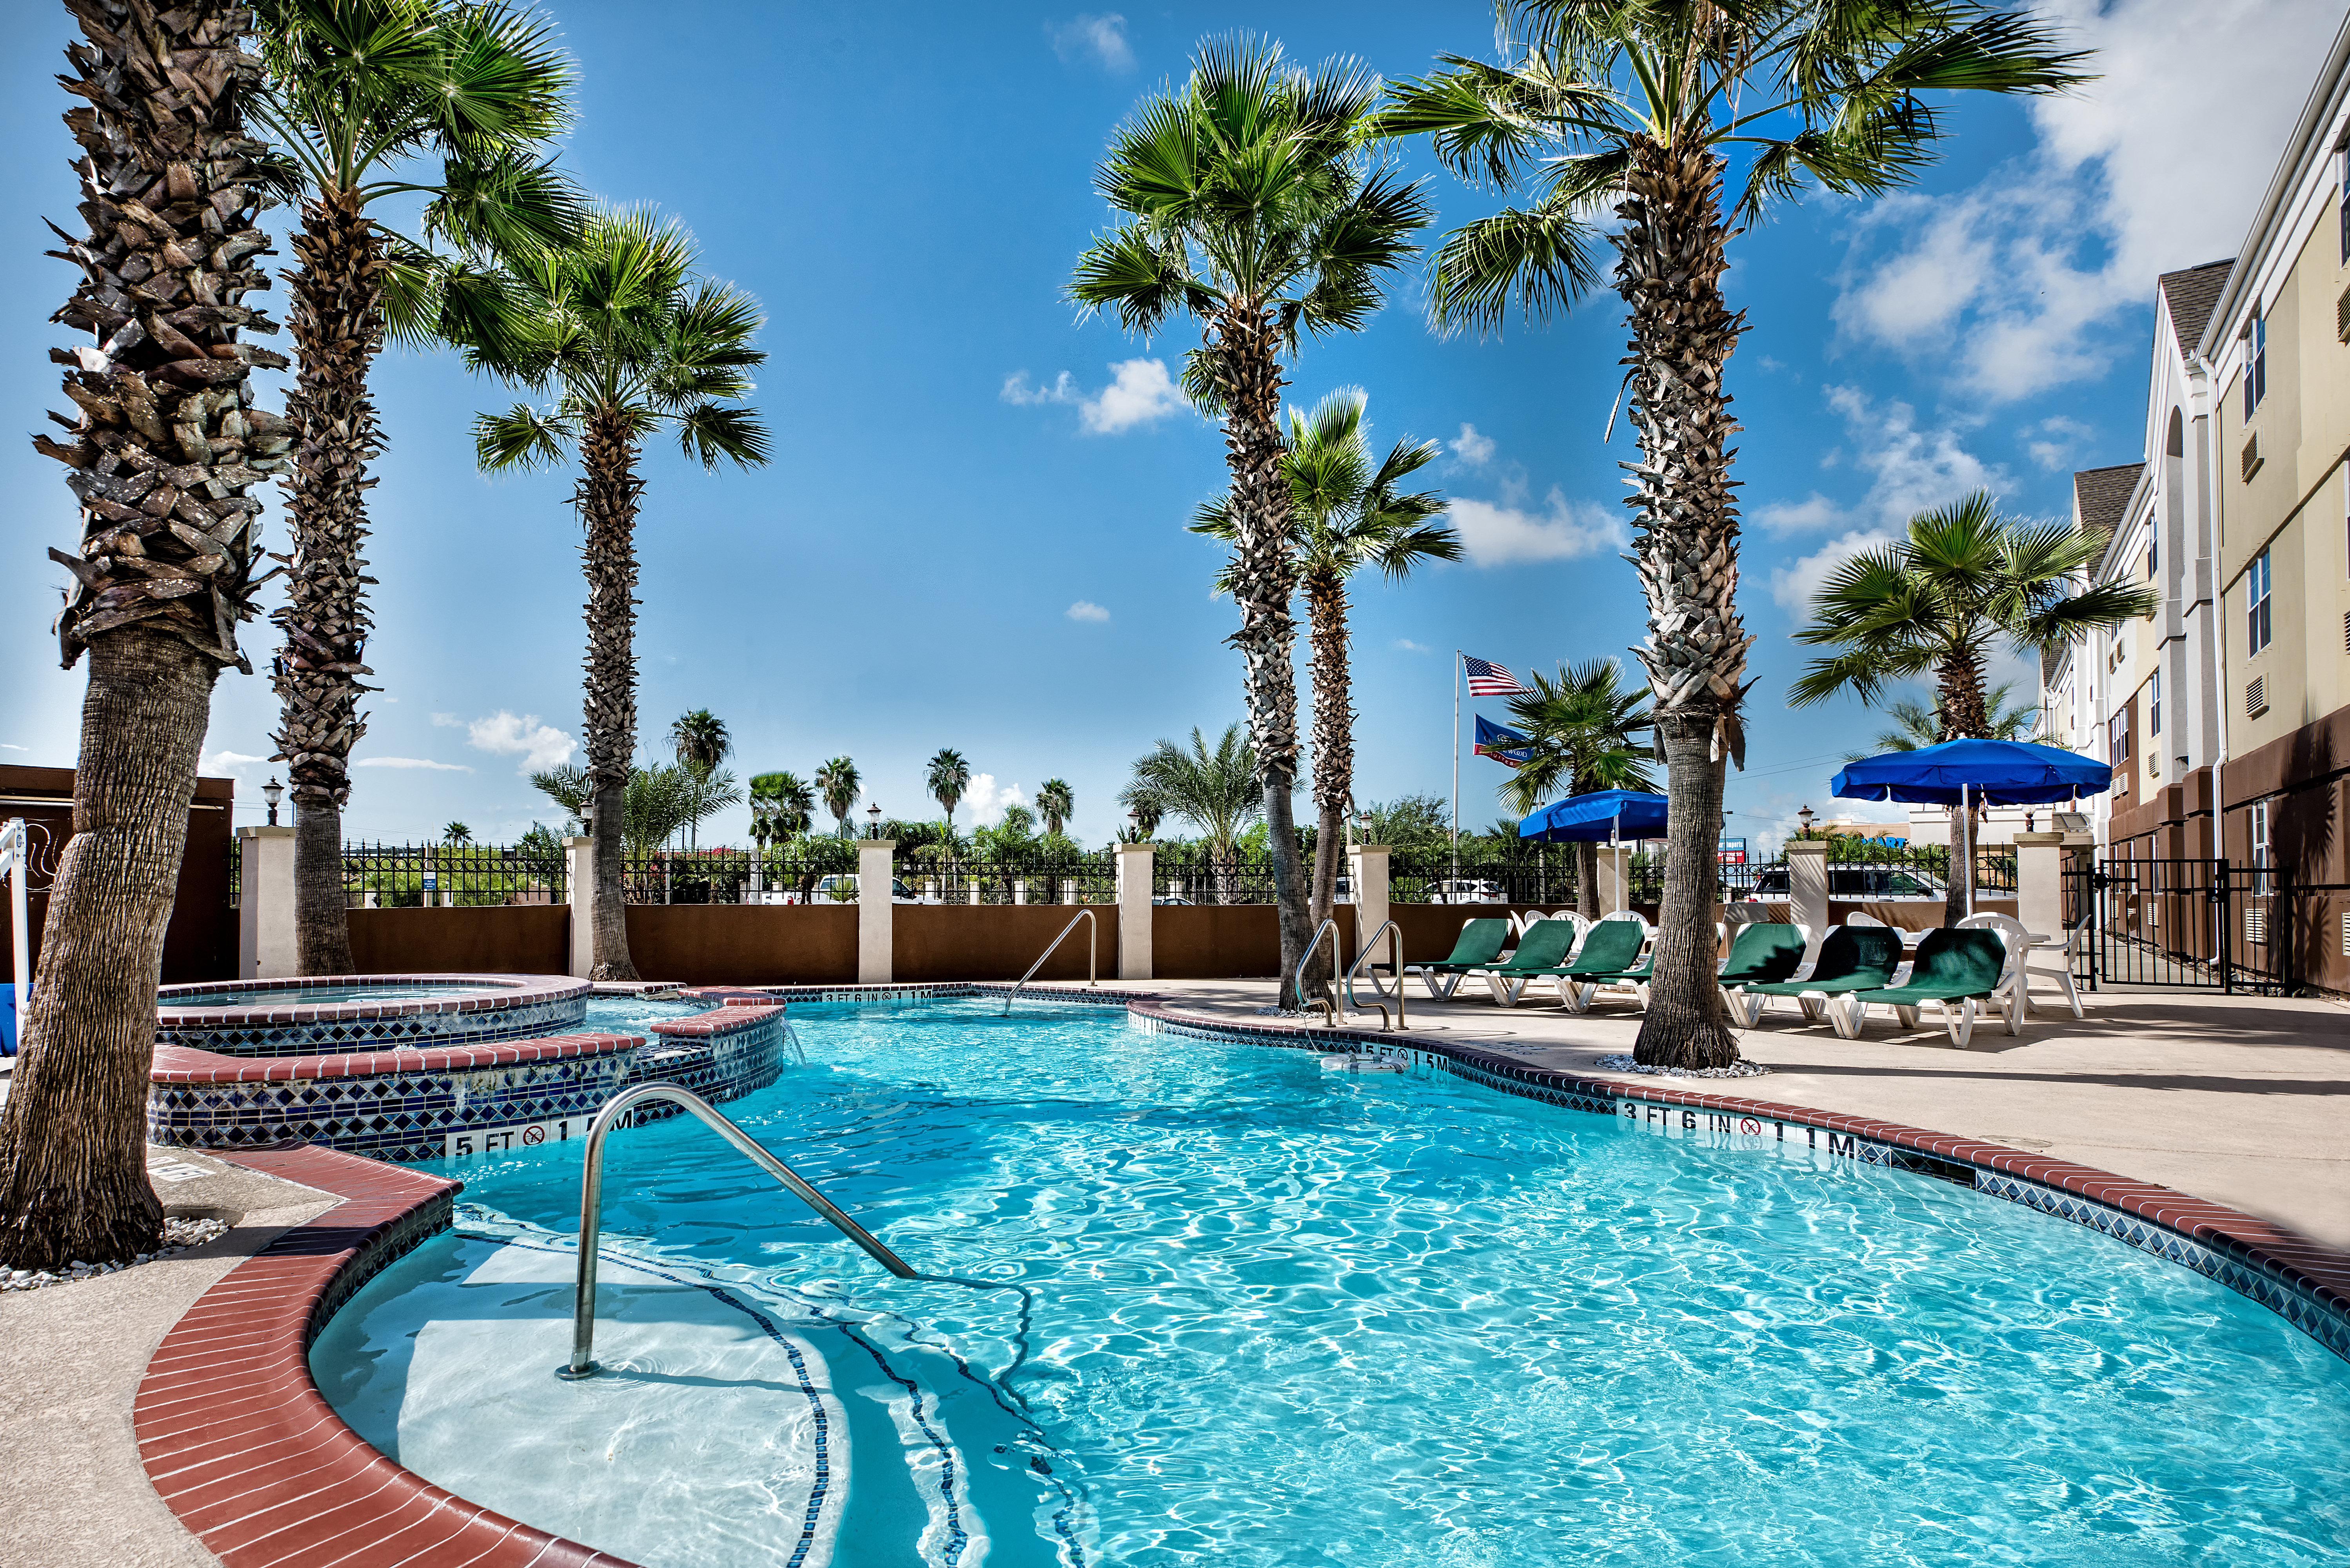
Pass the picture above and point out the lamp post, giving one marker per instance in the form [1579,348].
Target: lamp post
[273,792]
[1804,817]
[873,820]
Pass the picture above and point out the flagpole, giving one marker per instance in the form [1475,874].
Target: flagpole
[1458,668]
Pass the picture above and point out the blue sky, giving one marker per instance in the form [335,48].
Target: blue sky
[972,532]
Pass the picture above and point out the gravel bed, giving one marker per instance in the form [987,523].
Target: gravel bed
[1736,1070]
[179,1235]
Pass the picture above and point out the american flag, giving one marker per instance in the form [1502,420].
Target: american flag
[1489,680]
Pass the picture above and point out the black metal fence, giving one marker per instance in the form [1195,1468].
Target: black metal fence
[450,875]
[1194,873]
[1081,878]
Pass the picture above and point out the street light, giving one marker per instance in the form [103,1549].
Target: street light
[873,817]
[271,792]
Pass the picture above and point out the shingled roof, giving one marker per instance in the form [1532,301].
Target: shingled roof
[2190,294]
[2101,495]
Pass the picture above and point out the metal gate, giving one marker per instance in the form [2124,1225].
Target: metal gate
[2187,925]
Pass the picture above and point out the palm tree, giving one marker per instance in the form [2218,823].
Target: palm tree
[456,833]
[784,803]
[1345,512]
[702,742]
[625,338]
[1964,584]
[1056,803]
[1636,105]
[949,777]
[1216,791]
[163,452]
[1253,208]
[1587,731]
[377,100]
[1920,724]
[839,783]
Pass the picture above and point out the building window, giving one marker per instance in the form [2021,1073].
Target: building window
[2153,556]
[2256,363]
[2342,196]
[2117,738]
[2154,704]
[2260,829]
[2256,601]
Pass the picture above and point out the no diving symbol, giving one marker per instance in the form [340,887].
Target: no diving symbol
[533,1135]
[1749,1124]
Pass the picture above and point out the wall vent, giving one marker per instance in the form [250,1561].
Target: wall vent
[2342,316]
[2251,459]
[2345,631]
[2256,926]
[2256,695]
[2346,935]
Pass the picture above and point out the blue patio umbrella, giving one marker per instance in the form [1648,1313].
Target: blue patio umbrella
[1604,816]
[1964,773]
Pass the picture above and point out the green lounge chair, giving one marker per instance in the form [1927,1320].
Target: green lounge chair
[1609,949]
[1852,957]
[1955,968]
[1764,954]
[1479,943]
[1542,950]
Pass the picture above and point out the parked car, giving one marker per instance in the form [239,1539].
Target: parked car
[1465,890]
[1858,882]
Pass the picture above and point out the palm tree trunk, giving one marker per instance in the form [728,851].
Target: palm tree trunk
[1586,880]
[606,498]
[1966,716]
[1334,736]
[337,331]
[163,454]
[1669,273]
[1248,366]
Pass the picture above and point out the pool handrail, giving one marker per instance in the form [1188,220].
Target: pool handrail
[591,1206]
[1093,942]
[1363,958]
[1330,1016]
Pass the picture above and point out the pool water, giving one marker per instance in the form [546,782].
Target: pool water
[322,995]
[1278,1314]
[634,1015]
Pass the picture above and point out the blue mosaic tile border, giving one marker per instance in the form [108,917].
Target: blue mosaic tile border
[327,1037]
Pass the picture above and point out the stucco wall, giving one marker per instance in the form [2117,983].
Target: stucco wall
[519,939]
[744,944]
[996,941]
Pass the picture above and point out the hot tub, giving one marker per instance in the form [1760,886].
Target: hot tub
[327,1014]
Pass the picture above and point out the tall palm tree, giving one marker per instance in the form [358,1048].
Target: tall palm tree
[1346,512]
[1253,207]
[374,102]
[1216,791]
[1920,724]
[1055,803]
[456,833]
[838,782]
[702,742]
[1638,106]
[625,338]
[949,777]
[784,802]
[163,451]
[1963,585]
[1587,731]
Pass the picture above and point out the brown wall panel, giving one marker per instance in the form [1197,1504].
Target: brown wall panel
[745,944]
[518,938]
[201,941]
[1214,941]
[934,942]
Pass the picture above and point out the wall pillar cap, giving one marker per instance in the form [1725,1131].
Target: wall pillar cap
[1807,847]
[263,830]
[2039,838]
[1374,849]
[865,844]
[1135,849]
[576,841]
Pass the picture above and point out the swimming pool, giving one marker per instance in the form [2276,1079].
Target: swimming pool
[1285,1315]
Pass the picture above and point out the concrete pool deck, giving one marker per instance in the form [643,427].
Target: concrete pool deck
[2244,1101]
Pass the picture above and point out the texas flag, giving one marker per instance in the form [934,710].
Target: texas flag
[1503,745]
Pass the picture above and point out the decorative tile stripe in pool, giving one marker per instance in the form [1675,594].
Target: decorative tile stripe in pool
[2307,1284]
[490,1007]
[451,1100]
[241,1446]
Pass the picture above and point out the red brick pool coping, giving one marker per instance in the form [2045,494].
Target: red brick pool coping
[491,993]
[186,1064]
[242,1447]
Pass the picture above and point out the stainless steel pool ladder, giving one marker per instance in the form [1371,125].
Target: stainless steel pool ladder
[1365,956]
[1093,937]
[1297,981]
[591,1206]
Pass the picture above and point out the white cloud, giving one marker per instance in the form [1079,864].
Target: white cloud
[1017,390]
[5,746]
[987,799]
[2054,441]
[411,762]
[1097,40]
[1496,534]
[1141,393]
[1411,647]
[503,734]
[225,762]
[1910,470]
[1086,609]
[2014,280]
[1474,450]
